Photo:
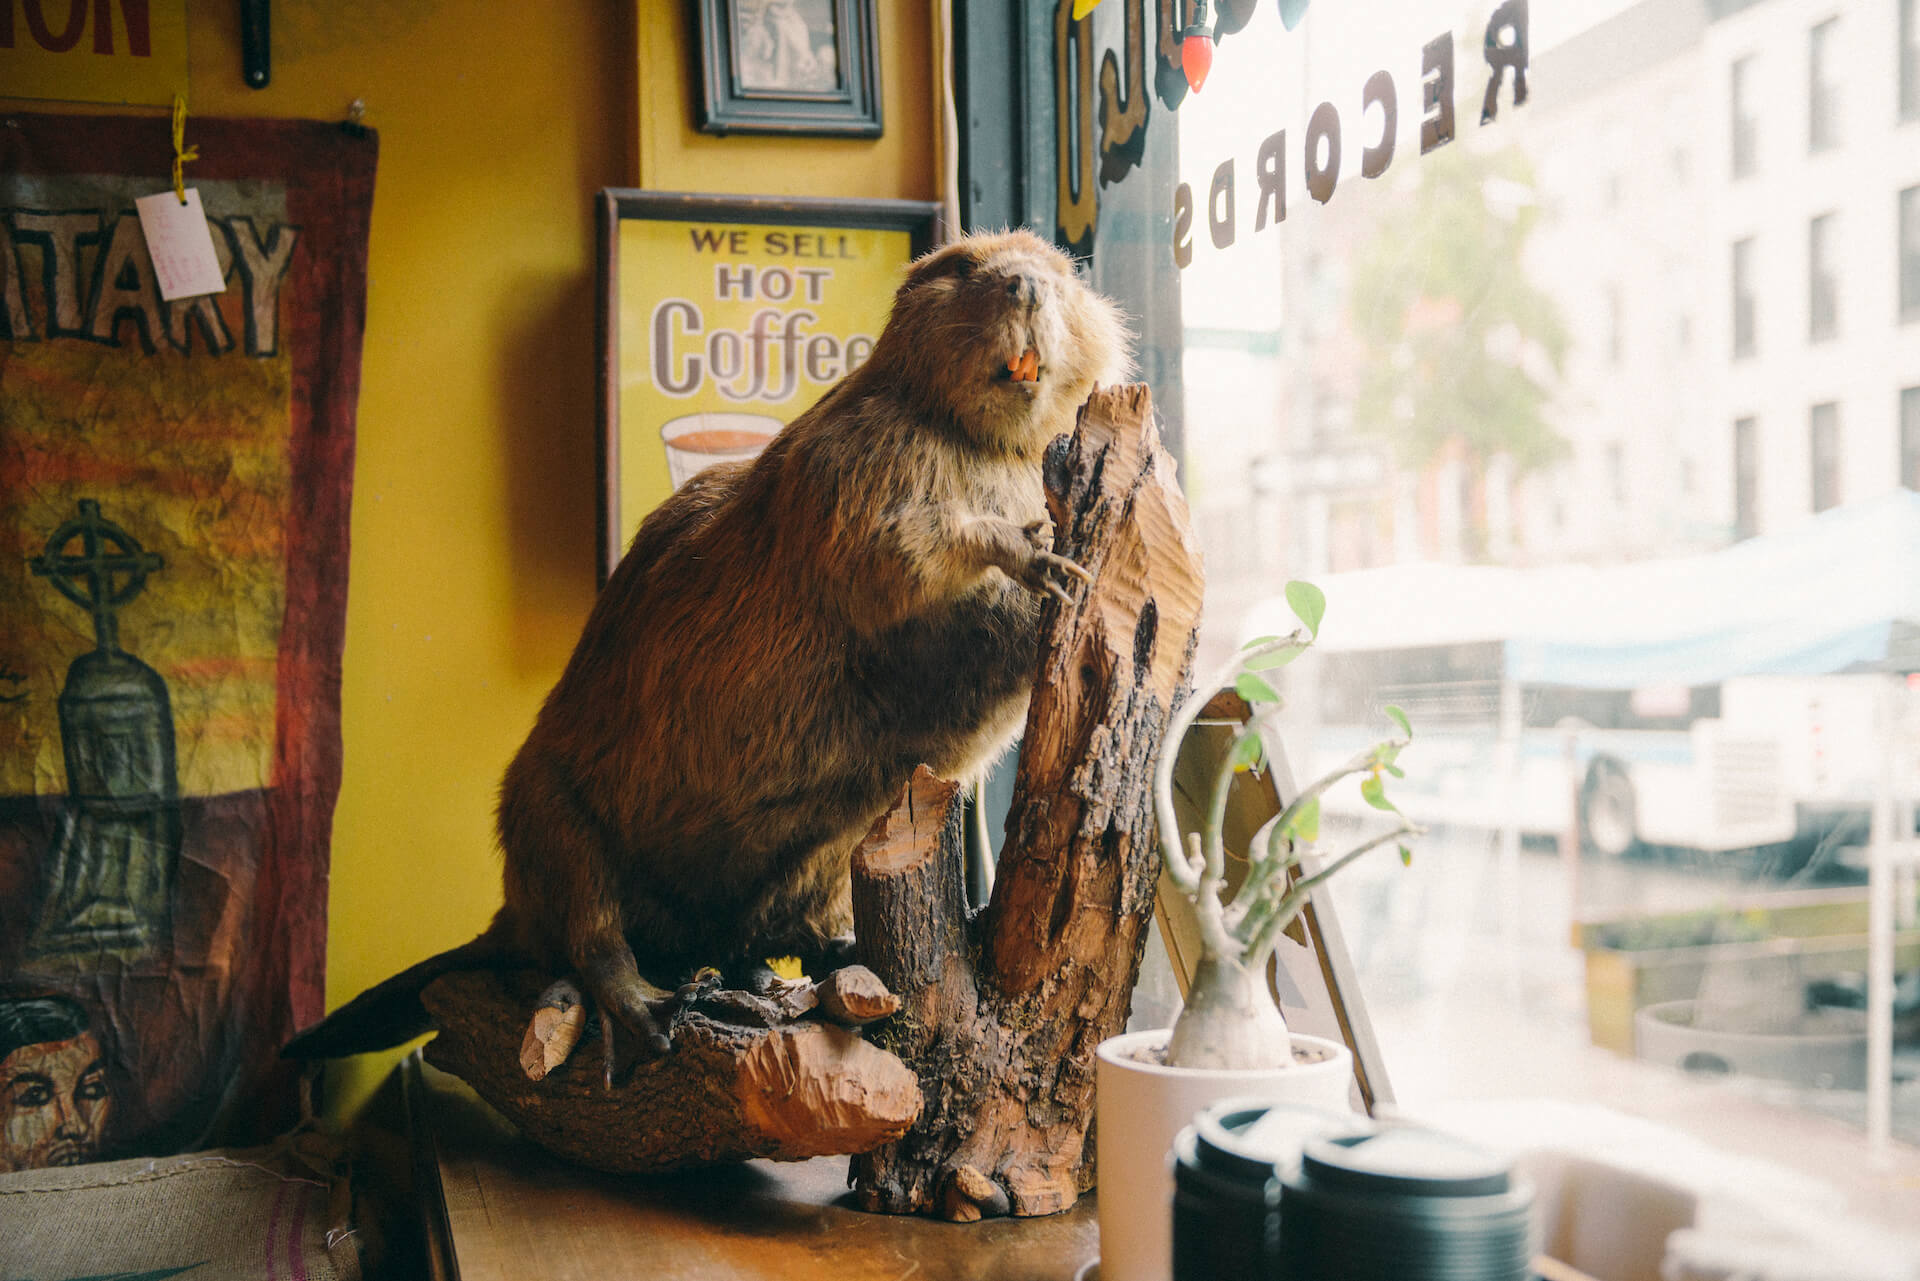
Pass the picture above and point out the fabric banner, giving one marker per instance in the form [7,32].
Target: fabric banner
[174,489]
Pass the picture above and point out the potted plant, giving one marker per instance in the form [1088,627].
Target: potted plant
[1230,1038]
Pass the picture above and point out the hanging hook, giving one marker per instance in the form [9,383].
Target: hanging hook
[256,45]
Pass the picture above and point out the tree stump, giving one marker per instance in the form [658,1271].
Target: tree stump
[746,1078]
[1004,1008]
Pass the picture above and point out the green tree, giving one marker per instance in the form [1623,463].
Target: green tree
[1459,344]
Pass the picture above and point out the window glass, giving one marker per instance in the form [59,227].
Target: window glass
[1823,286]
[1823,448]
[1746,477]
[1910,437]
[1491,373]
[1745,131]
[1745,304]
[1909,252]
[1823,88]
[1907,51]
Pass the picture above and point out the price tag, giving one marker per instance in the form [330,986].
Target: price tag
[181,245]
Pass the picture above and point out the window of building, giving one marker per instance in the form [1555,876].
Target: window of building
[1909,55]
[1910,437]
[1746,477]
[1823,443]
[1910,254]
[1823,286]
[1745,319]
[1745,127]
[1823,87]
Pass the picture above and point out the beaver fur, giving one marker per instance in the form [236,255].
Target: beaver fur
[784,641]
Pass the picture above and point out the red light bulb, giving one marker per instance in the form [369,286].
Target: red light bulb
[1196,59]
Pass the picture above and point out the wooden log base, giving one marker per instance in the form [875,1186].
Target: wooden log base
[1003,1008]
[745,1078]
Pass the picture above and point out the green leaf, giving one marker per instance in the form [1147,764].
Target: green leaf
[1255,689]
[1258,641]
[1374,793]
[1278,658]
[1309,603]
[1248,751]
[1305,824]
[1385,754]
[1406,857]
[1394,770]
[1400,719]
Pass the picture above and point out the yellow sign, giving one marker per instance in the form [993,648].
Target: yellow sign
[132,51]
[725,332]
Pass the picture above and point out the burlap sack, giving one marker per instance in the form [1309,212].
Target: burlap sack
[279,1213]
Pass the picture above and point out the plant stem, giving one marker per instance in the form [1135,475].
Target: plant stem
[1264,867]
[1261,940]
[1359,763]
[1186,872]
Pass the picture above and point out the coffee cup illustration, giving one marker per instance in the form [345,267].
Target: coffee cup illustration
[696,442]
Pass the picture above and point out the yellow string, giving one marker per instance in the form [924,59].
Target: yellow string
[181,153]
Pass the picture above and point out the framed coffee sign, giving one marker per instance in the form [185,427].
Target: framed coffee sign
[722,318]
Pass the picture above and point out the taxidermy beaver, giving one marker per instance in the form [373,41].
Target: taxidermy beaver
[784,642]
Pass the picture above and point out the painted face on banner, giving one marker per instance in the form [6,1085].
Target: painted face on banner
[54,1104]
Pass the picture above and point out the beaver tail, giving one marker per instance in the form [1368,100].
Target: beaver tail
[390,1012]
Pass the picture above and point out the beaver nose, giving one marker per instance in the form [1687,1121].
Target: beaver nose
[1023,290]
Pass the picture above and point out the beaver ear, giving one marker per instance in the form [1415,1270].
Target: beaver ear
[957,264]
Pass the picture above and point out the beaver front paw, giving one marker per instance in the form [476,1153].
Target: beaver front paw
[1050,572]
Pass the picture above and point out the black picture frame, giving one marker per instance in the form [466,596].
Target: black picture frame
[756,77]
[920,220]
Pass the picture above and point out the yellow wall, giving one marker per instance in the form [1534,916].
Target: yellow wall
[473,519]
[676,156]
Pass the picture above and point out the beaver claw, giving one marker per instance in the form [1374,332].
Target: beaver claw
[630,1014]
[1051,573]
[1045,570]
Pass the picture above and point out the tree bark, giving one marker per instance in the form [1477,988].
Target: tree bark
[1004,1008]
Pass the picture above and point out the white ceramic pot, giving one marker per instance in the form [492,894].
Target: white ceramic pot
[1141,1107]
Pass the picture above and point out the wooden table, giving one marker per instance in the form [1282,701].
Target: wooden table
[498,1208]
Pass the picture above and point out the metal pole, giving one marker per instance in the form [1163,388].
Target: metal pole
[1507,763]
[1880,933]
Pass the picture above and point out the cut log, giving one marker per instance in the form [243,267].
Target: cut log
[854,996]
[550,1039]
[744,1079]
[1002,1010]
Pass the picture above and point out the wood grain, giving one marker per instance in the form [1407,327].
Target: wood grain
[1003,1010]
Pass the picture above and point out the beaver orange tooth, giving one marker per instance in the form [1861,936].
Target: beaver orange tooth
[1030,366]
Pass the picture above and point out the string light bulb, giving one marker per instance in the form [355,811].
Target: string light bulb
[1196,47]
[1081,8]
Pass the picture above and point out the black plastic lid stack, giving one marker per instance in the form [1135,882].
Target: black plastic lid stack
[1400,1203]
[1226,1185]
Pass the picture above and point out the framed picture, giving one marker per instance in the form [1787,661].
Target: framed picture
[1312,973]
[789,66]
[722,318]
